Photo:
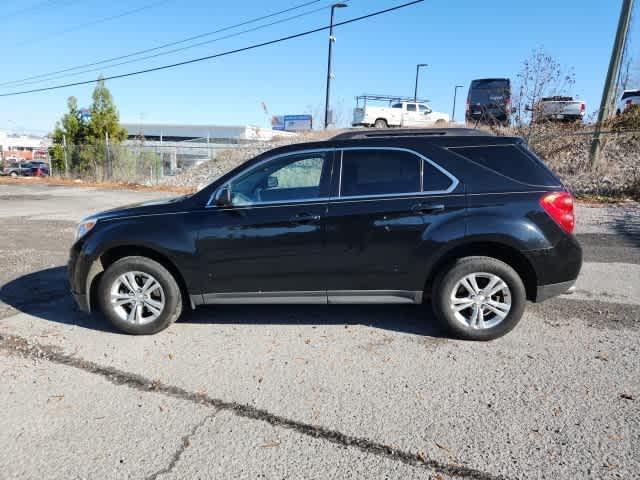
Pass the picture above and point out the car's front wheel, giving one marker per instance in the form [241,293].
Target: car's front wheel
[139,296]
[479,298]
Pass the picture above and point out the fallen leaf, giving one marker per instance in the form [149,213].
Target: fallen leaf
[270,444]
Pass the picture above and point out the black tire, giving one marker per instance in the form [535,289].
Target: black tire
[172,295]
[381,123]
[446,282]
[13,174]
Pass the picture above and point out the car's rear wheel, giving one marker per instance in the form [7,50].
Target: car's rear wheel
[381,123]
[13,174]
[139,296]
[479,298]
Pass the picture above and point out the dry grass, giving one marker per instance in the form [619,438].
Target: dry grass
[69,182]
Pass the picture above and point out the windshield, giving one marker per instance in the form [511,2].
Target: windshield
[489,92]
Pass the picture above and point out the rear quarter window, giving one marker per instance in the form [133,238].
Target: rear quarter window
[511,161]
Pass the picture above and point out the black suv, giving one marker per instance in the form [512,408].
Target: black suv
[475,224]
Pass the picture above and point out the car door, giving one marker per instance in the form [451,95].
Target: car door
[424,116]
[378,223]
[268,243]
[410,115]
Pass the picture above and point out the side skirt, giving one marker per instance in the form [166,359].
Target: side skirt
[306,297]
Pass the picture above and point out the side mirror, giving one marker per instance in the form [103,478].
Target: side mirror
[223,198]
[272,182]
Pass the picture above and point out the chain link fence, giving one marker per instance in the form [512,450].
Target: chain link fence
[129,163]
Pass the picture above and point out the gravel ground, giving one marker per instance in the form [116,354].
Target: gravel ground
[308,391]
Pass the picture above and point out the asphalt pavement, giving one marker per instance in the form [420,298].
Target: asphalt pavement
[297,392]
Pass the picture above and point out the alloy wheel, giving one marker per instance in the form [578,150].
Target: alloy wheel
[137,298]
[480,300]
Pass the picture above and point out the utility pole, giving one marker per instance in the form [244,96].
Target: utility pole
[332,39]
[612,76]
[415,91]
[455,95]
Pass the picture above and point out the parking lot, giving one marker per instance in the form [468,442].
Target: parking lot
[298,392]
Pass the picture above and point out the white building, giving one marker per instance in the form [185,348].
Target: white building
[182,146]
[25,147]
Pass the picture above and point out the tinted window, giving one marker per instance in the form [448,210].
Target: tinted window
[423,109]
[396,105]
[489,92]
[491,83]
[411,107]
[434,180]
[379,172]
[285,179]
[632,93]
[512,161]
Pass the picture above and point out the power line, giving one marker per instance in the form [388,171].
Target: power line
[217,55]
[176,50]
[97,22]
[165,45]
[135,60]
[35,6]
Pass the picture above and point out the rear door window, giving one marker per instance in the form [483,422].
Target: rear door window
[632,93]
[379,172]
[411,107]
[512,161]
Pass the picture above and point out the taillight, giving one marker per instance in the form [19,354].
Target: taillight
[559,206]
[583,107]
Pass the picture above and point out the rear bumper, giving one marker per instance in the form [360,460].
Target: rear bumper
[556,268]
[545,292]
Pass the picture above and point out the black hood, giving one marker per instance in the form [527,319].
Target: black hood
[153,207]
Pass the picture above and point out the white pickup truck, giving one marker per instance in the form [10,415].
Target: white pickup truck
[559,109]
[629,97]
[399,114]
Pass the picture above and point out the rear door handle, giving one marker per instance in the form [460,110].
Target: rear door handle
[427,208]
[305,218]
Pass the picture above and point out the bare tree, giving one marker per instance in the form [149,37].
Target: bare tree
[541,76]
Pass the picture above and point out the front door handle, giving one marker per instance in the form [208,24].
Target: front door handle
[427,208]
[305,218]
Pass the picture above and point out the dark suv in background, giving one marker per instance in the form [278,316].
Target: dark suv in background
[489,101]
[475,224]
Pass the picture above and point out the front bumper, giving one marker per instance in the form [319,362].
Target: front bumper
[78,272]
[82,301]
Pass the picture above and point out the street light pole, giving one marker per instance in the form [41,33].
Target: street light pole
[455,95]
[415,92]
[331,40]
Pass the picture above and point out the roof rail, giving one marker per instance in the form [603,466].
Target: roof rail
[388,98]
[411,132]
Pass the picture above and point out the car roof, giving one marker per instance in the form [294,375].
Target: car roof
[455,137]
[409,132]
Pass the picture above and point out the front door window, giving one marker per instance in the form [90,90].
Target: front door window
[288,179]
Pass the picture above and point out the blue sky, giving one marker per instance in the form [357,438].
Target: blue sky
[460,41]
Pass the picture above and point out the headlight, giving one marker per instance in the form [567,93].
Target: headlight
[84,226]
